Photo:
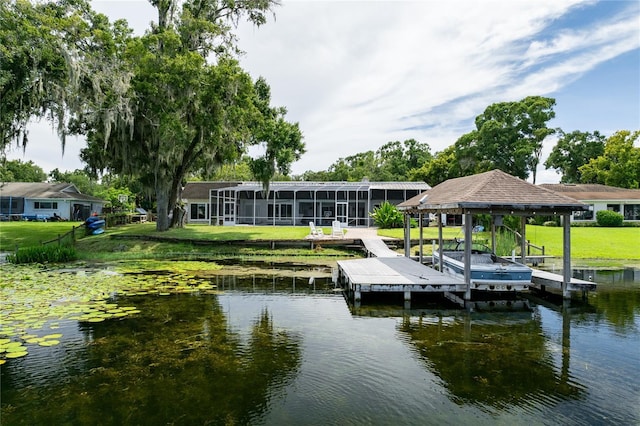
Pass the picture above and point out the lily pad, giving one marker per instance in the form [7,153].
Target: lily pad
[52,336]
[16,354]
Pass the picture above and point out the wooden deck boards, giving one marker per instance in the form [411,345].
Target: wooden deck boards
[390,271]
[378,248]
[549,279]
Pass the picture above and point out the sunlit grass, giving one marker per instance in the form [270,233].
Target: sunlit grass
[26,234]
[220,233]
[589,243]
[586,243]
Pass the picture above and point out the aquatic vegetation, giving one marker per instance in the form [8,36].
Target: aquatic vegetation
[34,301]
[43,254]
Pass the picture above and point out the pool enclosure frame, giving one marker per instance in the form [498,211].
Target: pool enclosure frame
[298,203]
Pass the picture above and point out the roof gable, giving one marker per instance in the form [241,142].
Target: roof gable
[493,190]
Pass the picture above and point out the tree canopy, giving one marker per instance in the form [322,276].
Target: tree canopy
[18,171]
[572,151]
[393,161]
[158,107]
[619,165]
[54,58]
[508,136]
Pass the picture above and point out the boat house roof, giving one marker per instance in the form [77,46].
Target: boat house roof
[494,192]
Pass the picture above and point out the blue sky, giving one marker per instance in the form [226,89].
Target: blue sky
[359,74]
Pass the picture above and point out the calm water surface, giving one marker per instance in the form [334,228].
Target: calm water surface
[280,349]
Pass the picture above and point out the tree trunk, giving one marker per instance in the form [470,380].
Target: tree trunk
[162,199]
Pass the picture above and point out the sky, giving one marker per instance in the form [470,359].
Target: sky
[358,74]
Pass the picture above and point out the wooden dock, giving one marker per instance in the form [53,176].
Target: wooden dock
[393,274]
[385,270]
[543,280]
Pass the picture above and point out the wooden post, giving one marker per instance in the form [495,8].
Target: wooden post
[493,234]
[440,241]
[566,255]
[523,240]
[421,217]
[467,254]
[407,235]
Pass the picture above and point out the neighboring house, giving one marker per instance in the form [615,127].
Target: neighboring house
[40,200]
[601,197]
[292,203]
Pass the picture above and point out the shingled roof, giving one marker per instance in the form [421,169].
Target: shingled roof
[491,192]
[45,190]
[592,192]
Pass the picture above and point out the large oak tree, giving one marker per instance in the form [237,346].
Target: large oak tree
[158,107]
[508,136]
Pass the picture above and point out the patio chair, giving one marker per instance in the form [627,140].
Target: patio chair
[315,232]
[336,229]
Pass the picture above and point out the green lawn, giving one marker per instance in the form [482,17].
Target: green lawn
[586,243]
[25,234]
[589,243]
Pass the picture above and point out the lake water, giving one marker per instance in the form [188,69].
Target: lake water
[276,348]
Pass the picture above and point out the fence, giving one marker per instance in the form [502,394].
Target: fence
[68,238]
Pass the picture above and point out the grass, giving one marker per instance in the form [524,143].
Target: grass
[27,234]
[220,233]
[586,243]
[589,243]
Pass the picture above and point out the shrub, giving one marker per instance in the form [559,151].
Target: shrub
[387,216]
[609,218]
[43,254]
[550,223]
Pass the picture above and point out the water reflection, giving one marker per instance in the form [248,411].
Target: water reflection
[275,347]
[176,363]
[493,358]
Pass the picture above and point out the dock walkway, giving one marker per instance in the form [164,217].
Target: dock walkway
[385,270]
[540,280]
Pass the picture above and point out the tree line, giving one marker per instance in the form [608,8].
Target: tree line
[174,104]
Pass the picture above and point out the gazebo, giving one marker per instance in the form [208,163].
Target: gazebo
[498,194]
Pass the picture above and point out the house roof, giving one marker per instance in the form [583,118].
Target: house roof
[44,190]
[491,192]
[200,190]
[592,192]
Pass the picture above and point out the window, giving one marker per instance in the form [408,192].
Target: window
[632,212]
[198,211]
[584,215]
[283,211]
[6,206]
[45,205]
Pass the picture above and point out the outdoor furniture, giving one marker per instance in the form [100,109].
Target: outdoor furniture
[315,232]
[336,229]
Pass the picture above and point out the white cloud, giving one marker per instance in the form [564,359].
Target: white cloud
[357,74]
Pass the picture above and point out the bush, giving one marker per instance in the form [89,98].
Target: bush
[387,216]
[609,218]
[550,223]
[43,254]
